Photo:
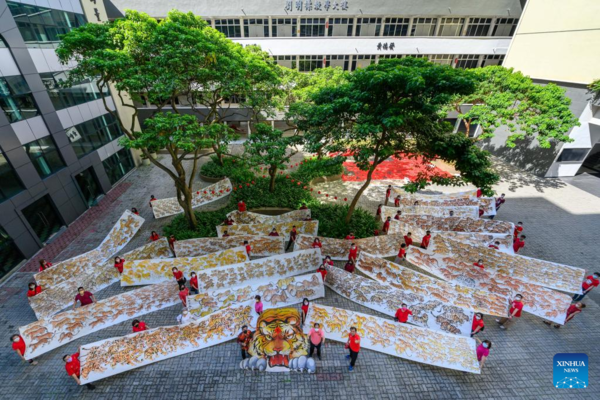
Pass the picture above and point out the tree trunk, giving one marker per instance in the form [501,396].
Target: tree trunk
[359,193]
[219,155]
[184,198]
[273,173]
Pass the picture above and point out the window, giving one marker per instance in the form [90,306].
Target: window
[368,26]
[118,165]
[396,27]
[79,93]
[44,156]
[339,61]
[9,253]
[341,26]
[312,27]
[256,27]
[363,60]
[310,63]
[505,27]
[229,27]
[571,155]
[468,61]
[40,26]
[442,59]
[389,56]
[93,134]
[286,61]
[479,26]
[451,26]
[495,59]
[284,27]
[423,27]
[9,181]
[16,99]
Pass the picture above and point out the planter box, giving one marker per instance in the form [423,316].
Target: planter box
[210,178]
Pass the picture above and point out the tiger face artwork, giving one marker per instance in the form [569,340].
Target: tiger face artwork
[279,338]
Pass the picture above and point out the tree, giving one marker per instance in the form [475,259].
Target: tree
[594,89]
[268,146]
[162,64]
[505,97]
[395,108]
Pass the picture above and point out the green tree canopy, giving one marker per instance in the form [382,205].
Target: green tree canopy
[594,89]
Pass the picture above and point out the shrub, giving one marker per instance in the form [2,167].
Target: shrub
[312,168]
[287,194]
[331,221]
[237,170]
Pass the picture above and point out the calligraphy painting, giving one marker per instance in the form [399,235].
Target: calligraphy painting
[283,229]
[337,249]
[459,211]
[248,217]
[453,224]
[262,246]
[405,341]
[468,194]
[167,207]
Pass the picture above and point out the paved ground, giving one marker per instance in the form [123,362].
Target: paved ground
[561,222]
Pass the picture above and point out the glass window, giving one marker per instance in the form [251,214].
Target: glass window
[396,27]
[284,27]
[423,27]
[363,60]
[256,27]
[79,93]
[572,155]
[368,26]
[442,59]
[93,134]
[468,61]
[40,26]
[505,27]
[340,26]
[9,181]
[310,63]
[16,99]
[44,156]
[118,165]
[9,253]
[339,61]
[496,59]
[451,26]
[229,27]
[312,27]
[43,218]
[479,26]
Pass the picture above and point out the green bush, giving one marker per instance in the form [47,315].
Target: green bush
[207,221]
[287,194]
[332,223]
[237,170]
[312,168]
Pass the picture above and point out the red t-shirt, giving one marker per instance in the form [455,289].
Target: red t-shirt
[119,266]
[172,241]
[397,217]
[388,192]
[85,299]
[397,202]
[141,327]
[20,345]
[349,267]
[329,262]
[228,222]
[317,244]
[516,305]
[478,265]
[353,252]
[194,282]
[183,296]
[305,308]
[178,275]
[273,234]
[518,229]
[293,234]
[590,281]
[154,237]
[402,253]
[499,202]
[480,212]
[493,246]
[241,206]
[571,310]
[323,272]
[73,367]
[479,193]
[349,237]
[476,323]
[37,290]
[402,315]
[425,241]
[378,211]
[518,244]
[408,241]
[48,265]
[386,226]
[248,250]
[354,342]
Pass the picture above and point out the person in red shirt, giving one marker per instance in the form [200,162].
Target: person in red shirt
[499,201]
[225,234]
[304,307]
[73,368]
[135,211]
[388,193]
[398,215]
[322,271]
[317,243]
[44,265]
[349,266]
[386,225]
[519,244]
[293,234]
[152,198]
[83,297]
[591,281]
[479,264]
[248,248]
[241,206]
[375,232]
[178,276]
[408,239]
[228,221]
[516,308]
[244,340]
[18,345]
[479,193]
[274,232]
[480,212]
[303,207]
[426,239]
[34,289]
[378,213]
[138,326]
[350,236]
[328,261]
[402,314]
[183,294]
[573,310]
[397,201]
[154,236]
[478,325]
[401,254]
[194,283]
[518,230]
[353,252]
[172,241]
[119,264]
[496,245]
[353,344]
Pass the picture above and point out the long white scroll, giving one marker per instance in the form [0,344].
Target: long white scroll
[120,234]
[427,312]
[337,249]
[146,272]
[429,288]
[468,198]
[539,301]
[457,211]
[274,293]
[262,246]
[114,356]
[166,207]
[248,217]
[58,297]
[453,224]
[467,194]
[399,340]
[283,229]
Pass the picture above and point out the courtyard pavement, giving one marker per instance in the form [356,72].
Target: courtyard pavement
[561,223]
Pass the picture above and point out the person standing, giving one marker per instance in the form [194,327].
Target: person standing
[322,271]
[350,236]
[349,267]
[194,283]
[152,198]
[388,193]
[317,243]
[478,324]
[398,215]
[243,340]
[44,265]
[135,211]
[353,344]
[138,326]
[317,338]
[248,248]
[515,311]
[34,289]
[293,234]
[483,351]
[517,231]
[328,261]
[353,252]
[172,241]
[154,236]
[479,193]
[304,307]
[386,225]
[258,306]
[397,201]
[573,310]
[408,239]
[402,314]
[183,294]
[479,264]
[401,254]
[18,345]
[119,264]
[378,213]
[241,206]
[499,201]
[303,207]
[425,241]
[519,243]
[178,275]
[274,232]
[83,297]
[73,368]
[590,282]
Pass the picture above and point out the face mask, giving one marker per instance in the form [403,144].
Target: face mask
[69,359]
[17,339]
[595,276]
[31,287]
[404,307]
[306,302]
[478,317]
[485,345]
[518,299]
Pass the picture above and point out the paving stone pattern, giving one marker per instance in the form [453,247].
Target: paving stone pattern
[561,222]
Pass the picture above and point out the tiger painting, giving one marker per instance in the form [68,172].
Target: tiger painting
[279,338]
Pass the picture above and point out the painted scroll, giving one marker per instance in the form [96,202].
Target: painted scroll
[283,228]
[399,340]
[58,297]
[166,207]
[248,217]
[50,333]
[147,272]
[461,211]
[426,288]
[120,234]
[487,204]
[262,246]
[539,301]
[114,356]
[453,224]
[529,270]
[428,313]
[337,249]
[274,293]
[467,194]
